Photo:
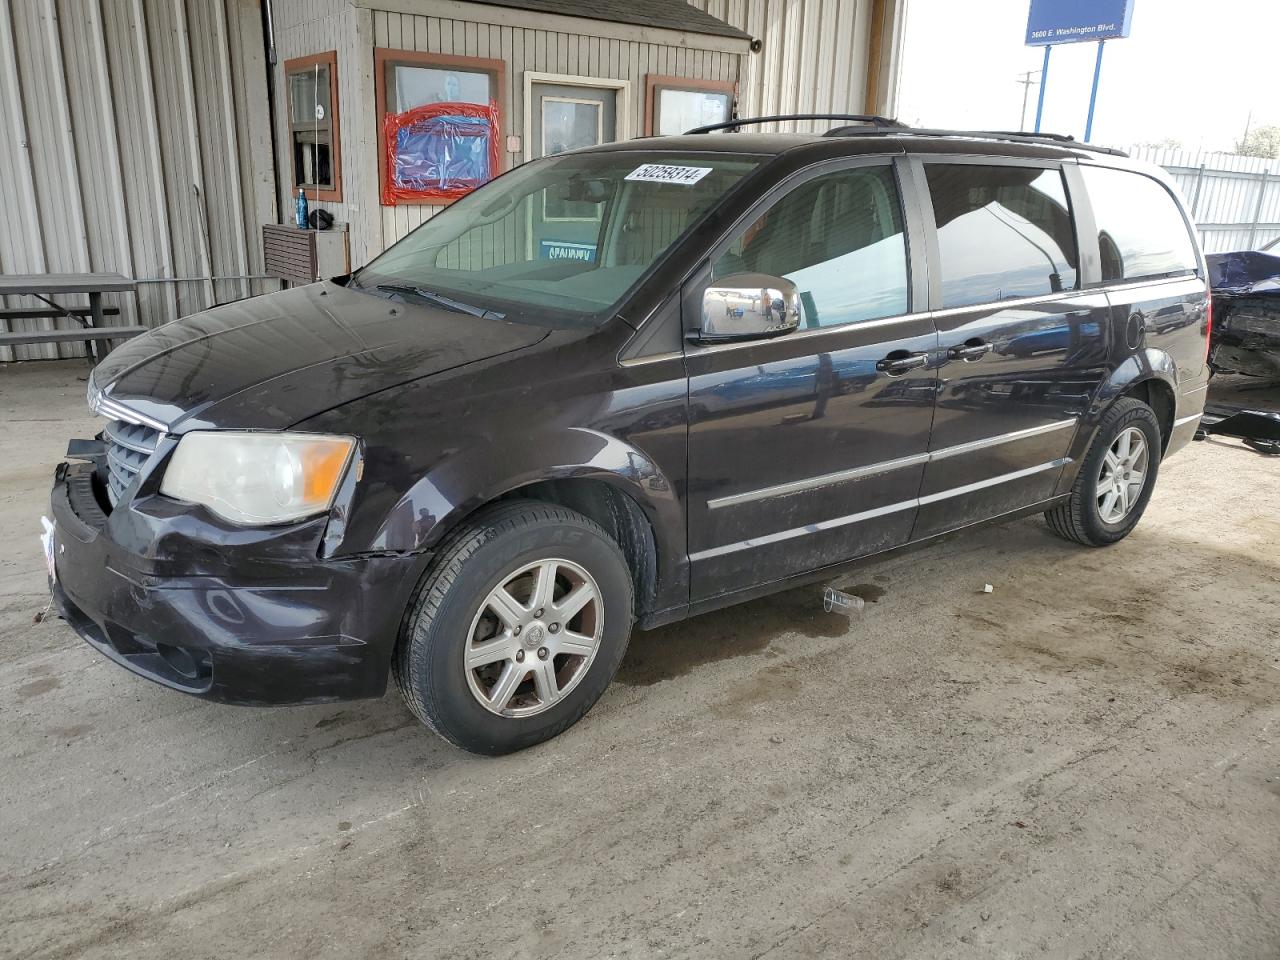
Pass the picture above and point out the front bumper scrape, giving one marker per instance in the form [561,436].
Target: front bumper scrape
[175,595]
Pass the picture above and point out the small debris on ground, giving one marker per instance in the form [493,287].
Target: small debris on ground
[837,601]
[988,588]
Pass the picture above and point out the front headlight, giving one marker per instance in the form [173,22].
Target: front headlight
[258,478]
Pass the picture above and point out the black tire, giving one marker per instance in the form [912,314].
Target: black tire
[1078,519]
[429,667]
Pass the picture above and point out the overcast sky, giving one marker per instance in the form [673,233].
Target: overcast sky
[1189,69]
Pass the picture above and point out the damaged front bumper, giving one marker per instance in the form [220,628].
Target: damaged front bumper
[240,615]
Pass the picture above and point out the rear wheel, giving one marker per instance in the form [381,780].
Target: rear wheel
[517,629]
[1115,480]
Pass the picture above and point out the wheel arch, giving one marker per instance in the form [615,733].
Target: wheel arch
[598,475]
[1157,394]
[1150,376]
[620,516]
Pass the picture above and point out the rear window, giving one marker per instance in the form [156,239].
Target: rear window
[1004,232]
[1141,232]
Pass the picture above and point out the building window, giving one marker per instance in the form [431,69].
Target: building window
[570,123]
[315,151]
[676,104]
[405,80]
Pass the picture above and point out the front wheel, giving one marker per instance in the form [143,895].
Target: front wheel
[1115,480]
[517,628]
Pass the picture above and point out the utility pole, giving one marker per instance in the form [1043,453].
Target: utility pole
[1248,121]
[1027,84]
[1044,81]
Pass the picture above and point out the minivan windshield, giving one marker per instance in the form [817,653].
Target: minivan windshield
[559,240]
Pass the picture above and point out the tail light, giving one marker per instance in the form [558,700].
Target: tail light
[1208,326]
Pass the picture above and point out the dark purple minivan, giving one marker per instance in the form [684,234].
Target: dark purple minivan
[622,386]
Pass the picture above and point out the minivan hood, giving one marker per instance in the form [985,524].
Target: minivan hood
[274,360]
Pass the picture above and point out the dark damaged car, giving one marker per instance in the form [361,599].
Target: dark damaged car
[620,387]
[1246,304]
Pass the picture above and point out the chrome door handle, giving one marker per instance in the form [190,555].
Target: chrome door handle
[969,350]
[900,361]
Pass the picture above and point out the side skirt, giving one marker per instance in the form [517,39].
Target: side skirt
[674,614]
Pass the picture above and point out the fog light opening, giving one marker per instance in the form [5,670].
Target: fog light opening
[183,662]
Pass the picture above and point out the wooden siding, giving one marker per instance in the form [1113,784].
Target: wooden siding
[814,58]
[585,52]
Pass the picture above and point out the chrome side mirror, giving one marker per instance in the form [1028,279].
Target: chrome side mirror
[745,305]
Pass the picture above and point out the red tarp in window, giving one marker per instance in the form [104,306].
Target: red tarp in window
[439,151]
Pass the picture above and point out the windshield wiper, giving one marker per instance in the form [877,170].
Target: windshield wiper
[447,302]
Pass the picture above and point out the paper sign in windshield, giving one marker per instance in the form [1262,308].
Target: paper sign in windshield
[667,173]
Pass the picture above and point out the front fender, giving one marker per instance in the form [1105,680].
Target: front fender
[465,480]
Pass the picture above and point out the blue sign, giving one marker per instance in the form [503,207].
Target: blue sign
[567,250]
[1074,21]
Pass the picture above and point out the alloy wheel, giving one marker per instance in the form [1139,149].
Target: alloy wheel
[1122,475]
[534,637]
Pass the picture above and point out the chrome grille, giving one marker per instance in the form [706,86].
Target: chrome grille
[129,447]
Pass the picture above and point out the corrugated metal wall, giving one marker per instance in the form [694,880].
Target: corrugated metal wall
[134,139]
[1234,200]
[813,60]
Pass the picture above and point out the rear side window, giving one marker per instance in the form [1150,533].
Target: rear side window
[839,238]
[1004,232]
[1141,232]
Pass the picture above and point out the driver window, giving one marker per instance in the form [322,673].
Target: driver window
[839,238]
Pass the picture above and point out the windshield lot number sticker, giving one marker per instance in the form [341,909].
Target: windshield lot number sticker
[666,173]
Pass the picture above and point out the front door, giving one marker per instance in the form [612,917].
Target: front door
[566,117]
[1024,349]
[808,449]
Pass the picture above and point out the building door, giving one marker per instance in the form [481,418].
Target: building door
[808,448]
[566,117]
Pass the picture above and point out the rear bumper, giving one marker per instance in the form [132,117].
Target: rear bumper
[272,624]
[1188,409]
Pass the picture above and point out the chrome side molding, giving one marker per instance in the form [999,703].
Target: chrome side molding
[885,466]
[852,518]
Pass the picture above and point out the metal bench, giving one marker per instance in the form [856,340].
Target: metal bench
[45,286]
[69,336]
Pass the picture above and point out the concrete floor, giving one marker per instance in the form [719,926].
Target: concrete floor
[1080,764]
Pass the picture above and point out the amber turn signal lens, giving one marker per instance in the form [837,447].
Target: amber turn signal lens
[258,478]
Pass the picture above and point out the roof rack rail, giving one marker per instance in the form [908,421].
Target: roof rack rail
[870,125]
[1008,136]
[876,123]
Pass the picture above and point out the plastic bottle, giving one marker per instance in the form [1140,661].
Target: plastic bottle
[300,212]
